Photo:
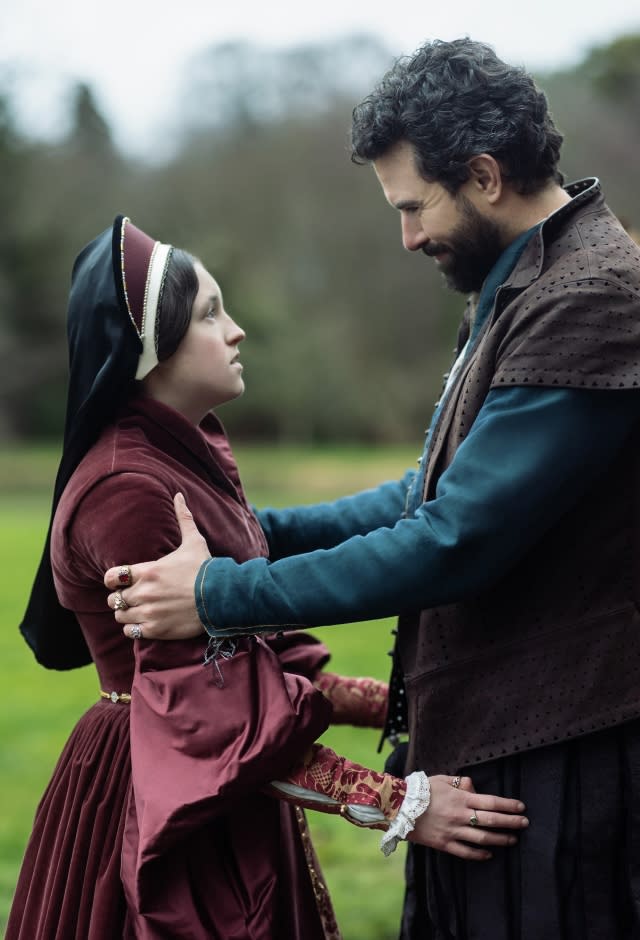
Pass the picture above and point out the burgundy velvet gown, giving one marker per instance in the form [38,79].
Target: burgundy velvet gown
[154,824]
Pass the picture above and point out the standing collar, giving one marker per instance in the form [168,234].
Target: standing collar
[205,446]
[582,192]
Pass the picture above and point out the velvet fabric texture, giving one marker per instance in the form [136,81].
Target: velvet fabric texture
[153,824]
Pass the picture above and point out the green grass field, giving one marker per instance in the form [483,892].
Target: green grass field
[41,707]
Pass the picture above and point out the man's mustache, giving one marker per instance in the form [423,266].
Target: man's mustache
[432,250]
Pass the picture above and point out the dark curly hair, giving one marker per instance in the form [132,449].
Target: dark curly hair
[452,101]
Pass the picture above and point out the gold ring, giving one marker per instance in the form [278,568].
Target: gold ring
[455,782]
[119,602]
[474,820]
[116,696]
[124,575]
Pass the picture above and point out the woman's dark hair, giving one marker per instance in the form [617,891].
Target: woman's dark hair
[176,302]
[452,101]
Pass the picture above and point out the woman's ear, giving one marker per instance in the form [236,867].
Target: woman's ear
[486,177]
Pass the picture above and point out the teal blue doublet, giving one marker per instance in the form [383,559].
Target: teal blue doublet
[530,455]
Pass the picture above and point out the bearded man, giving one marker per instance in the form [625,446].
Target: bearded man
[512,556]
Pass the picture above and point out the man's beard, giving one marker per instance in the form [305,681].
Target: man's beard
[472,249]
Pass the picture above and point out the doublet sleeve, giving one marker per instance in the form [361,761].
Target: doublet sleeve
[300,529]
[530,453]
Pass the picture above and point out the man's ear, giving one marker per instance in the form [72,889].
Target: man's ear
[486,177]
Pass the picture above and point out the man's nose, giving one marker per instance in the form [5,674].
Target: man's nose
[413,237]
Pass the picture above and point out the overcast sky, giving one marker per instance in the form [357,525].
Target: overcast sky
[133,52]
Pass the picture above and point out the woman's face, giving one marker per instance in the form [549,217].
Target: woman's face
[205,370]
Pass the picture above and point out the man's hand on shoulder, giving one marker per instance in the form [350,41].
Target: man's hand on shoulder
[156,600]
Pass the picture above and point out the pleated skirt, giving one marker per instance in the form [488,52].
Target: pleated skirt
[70,885]
[575,873]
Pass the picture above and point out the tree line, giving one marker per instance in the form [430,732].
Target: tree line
[348,336]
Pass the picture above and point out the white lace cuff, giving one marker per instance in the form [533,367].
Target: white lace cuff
[415,803]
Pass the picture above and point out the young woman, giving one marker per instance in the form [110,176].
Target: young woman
[174,808]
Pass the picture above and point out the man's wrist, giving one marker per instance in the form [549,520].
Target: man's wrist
[202,608]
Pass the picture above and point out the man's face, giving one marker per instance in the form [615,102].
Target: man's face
[464,243]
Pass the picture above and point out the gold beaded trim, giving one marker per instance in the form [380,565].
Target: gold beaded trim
[124,279]
[322,897]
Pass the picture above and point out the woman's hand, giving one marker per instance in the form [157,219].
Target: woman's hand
[447,824]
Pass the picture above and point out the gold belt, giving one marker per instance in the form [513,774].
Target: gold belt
[116,696]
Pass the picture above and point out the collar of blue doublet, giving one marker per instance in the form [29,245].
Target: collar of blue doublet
[496,277]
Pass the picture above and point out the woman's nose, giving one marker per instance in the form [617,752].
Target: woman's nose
[236,334]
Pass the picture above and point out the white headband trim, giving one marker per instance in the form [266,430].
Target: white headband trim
[153,289]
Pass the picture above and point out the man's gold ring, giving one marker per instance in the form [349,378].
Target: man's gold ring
[119,602]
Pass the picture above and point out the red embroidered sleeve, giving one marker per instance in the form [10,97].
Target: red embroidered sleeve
[356,701]
[332,784]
